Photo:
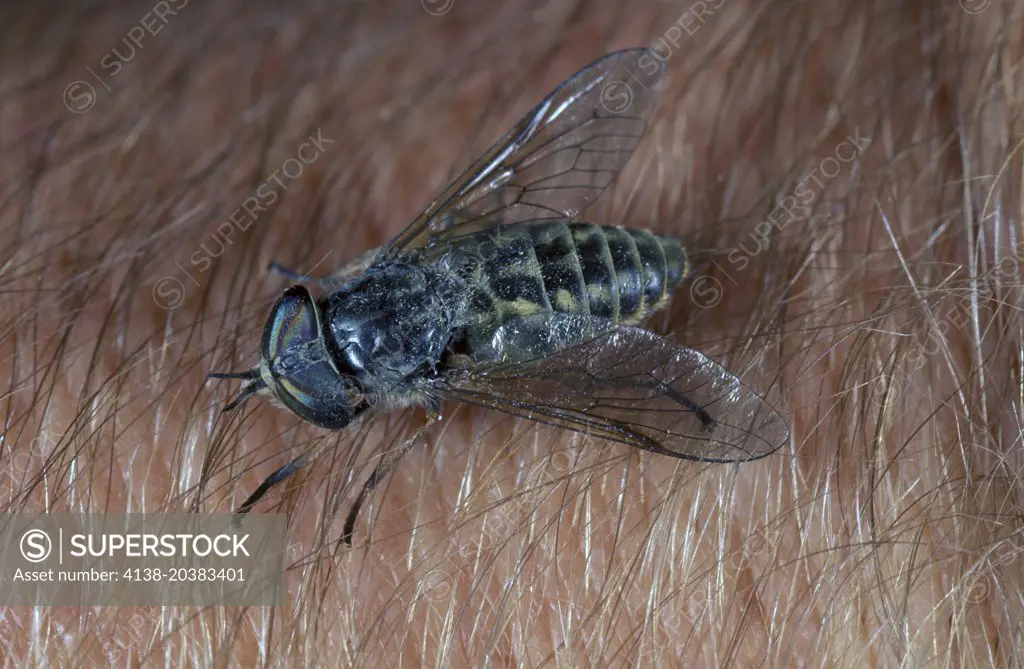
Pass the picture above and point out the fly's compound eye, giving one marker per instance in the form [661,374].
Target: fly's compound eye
[298,368]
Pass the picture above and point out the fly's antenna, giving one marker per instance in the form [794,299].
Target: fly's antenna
[255,384]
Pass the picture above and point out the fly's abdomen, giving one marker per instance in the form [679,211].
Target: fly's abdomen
[627,273]
[617,273]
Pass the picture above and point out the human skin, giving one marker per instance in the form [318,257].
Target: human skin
[849,173]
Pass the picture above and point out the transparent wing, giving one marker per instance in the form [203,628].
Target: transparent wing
[557,159]
[621,383]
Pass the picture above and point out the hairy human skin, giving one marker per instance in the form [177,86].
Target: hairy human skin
[873,293]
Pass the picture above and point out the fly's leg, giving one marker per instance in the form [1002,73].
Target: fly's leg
[271,481]
[386,465]
[707,423]
[449,220]
[277,268]
[328,282]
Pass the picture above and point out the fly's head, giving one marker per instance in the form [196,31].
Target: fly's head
[297,369]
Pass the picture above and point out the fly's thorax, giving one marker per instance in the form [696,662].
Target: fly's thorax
[617,273]
[393,324]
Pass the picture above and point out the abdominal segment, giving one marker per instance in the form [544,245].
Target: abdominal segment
[617,273]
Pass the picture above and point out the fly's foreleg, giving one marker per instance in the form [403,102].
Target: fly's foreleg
[386,465]
[271,481]
[331,281]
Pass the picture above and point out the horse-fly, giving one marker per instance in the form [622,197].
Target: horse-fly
[498,296]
